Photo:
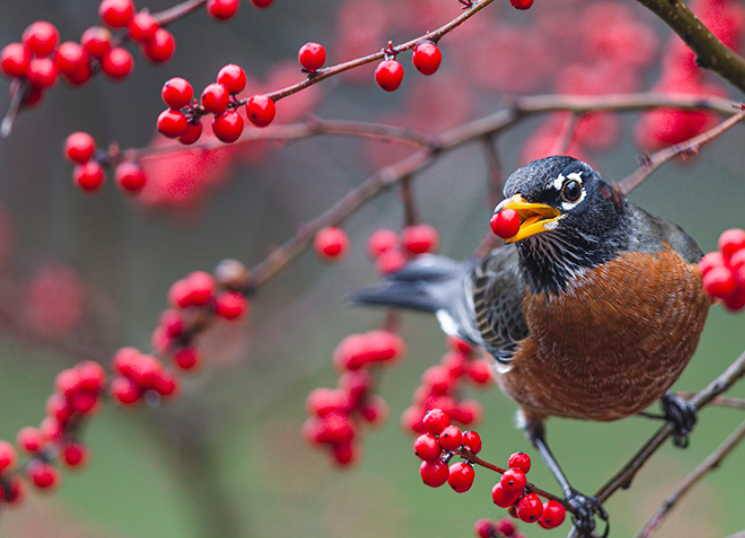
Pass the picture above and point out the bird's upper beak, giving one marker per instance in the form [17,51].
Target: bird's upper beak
[536,218]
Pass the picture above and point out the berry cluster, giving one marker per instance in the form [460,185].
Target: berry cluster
[723,272]
[506,223]
[390,252]
[182,119]
[89,175]
[389,73]
[440,388]
[334,413]
[513,492]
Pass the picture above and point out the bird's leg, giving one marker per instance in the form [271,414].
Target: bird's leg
[682,414]
[586,507]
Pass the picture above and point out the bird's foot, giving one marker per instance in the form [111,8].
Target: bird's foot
[682,414]
[586,508]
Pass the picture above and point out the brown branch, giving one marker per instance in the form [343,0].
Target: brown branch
[689,147]
[710,463]
[710,52]
[494,171]
[167,16]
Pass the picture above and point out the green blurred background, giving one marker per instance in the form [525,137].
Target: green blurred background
[227,459]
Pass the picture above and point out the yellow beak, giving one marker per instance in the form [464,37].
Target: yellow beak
[536,218]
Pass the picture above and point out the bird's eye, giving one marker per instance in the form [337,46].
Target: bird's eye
[571,191]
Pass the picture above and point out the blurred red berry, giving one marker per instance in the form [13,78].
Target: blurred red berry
[331,244]
[228,126]
[42,72]
[720,282]
[261,110]
[391,261]
[215,98]
[96,40]
[513,480]
[125,391]
[142,26]
[44,475]
[41,38]
[731,241]
[375,410]
[117,63]
[8,456]
[521,4]
[380,241]
[506,526]
[312,56]
[435,421]
[434,473]
[553,515]
[75,455]
[172,123]
[262,4]
[479,371]
[88,176]
[519,460]
[502,498]
[202,286]
[420,238]
[30,439]
[91,376]
[14,60]
[710,261]
[345,453]
[232,77]
[79,147]
[427,58]
[231,304]
[461,477]
[483,528]
[223,10]
[505,224]
[529,508]
[116,13]
[72,58]
[130,177]
[161,47]
[389,74]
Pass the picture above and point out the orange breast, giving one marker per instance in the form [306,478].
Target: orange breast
[613,343]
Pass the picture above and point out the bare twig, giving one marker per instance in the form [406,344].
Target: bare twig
[494,172]
[689,147]
[710,463]
[722,401]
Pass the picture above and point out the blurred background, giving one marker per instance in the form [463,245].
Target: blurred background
[85,274]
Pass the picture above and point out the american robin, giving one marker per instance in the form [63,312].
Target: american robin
[591,312]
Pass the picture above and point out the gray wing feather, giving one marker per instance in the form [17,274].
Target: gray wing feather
[651,233]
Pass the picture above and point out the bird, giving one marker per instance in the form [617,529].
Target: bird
[591,311]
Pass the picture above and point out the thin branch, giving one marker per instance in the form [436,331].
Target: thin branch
[722,401]
[566,136]
[710,52]
[494,171]
[689,147]
[710,463]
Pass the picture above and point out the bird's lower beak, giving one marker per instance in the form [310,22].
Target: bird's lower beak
[536,218]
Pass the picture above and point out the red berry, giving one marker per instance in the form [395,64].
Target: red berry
[434,473]
[261,110]
[710,261]
[731,241]
[79,147]
[389,75]
[411,419]
[513,481]
[83,402]
[345,453]
[215,98]
[124,361]
[202,286]
[228,126]
[91,375]
[262,4]
[8,457]
[30,439]
[521,4]
[505,224]
[232,77]
[472,440]
[165,383]
[479,371]
[461,477]
[67,382]
[720,282]
[519,460]
[130,177]
[427,58]
[116,13]
[529,508]
[438,379]
[172,123]
[331,244]
[335,428]
[553,515]
[88,176]
[420,238]
[380,241]
[161,47]
[192,134]
[96,40]
[142,27]
[44,475]
[506,526]
[450,438]
[312,56]
[736,301]
[41,38]
[70,57]
[124,390]
[503,499]
[427,447]
[14,60]
[231,304]
[223,9]
[737,263]
[117,63]
[391,261]
[483,528]
[42,72]
[17,492]
[75,454]
[435,421]
[375,410]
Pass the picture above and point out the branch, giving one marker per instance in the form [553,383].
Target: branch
[710,463]
[710,52]
[722,401]
[689,147]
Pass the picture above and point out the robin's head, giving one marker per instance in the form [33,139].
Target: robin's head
[571,220]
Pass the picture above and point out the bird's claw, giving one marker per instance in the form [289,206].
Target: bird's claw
[585,510]
[682,414]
